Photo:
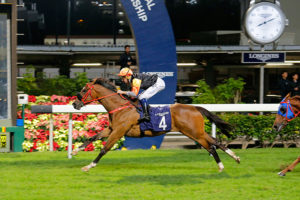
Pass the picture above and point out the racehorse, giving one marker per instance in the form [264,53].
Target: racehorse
[123,120]
[289,109]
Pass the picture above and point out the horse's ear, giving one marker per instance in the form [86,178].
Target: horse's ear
[93,81]
[287,96]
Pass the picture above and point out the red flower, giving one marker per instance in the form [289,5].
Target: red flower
[34,147]
[55,146]
[19,114]
[72,98]
[68,146]
[30,116]
[89,147]
[42,135]
[31,98]
[91,133]
[79,117]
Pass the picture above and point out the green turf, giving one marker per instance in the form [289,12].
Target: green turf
[149,174]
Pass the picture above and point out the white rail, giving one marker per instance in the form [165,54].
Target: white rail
[210,107]
[100,109]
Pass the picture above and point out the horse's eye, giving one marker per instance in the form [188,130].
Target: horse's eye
[282,110]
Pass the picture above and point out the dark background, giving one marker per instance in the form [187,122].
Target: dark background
[191,19]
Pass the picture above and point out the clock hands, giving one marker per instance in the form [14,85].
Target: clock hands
[270,20]
[265,22]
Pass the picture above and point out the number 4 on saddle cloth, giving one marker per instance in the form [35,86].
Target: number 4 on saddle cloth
[160,119]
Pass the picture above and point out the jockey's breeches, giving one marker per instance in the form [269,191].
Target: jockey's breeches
[151,91]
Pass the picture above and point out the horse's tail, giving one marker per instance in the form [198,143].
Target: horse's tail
[224,126]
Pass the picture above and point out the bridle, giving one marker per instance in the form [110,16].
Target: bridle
[89,93]
[289,113]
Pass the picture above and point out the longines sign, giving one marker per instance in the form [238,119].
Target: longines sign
[264,57]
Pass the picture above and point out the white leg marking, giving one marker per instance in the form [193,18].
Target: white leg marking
[93,164]
[75,151]
[232,154]
[88,167]
[229,152]
[221,166]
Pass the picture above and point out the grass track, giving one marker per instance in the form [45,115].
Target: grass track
[146,174]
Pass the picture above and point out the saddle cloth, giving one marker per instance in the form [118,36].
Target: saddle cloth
[160,119]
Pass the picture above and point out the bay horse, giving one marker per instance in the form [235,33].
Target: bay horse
[123,120]
[288,110]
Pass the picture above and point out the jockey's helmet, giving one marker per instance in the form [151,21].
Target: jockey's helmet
[126,72]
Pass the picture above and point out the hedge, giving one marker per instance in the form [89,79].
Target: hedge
[257,127]
[60,85]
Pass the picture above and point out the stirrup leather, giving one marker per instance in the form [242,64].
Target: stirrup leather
[145,109]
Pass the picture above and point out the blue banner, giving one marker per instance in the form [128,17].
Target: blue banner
[155,43]
[263,57]
[156,53]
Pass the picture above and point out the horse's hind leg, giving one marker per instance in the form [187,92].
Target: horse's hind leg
[211,149]
[223,148]
[104,133]
[290,167]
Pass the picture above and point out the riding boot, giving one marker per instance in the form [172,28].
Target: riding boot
[145,108]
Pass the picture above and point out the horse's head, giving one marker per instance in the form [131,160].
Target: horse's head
[288,110]
[95,90]
[84,96]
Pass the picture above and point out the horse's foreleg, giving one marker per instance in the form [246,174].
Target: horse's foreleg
[112,139]
[223,148]
[85,144]
[99,136]
[290,167]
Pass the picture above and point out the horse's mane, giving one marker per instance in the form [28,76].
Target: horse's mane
[296,98]
[109,85]
[106,83]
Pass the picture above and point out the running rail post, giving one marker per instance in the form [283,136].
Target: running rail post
[70,136]
[213,130]
[51,133]
[261,85]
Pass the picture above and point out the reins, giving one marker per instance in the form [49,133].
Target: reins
[89,93]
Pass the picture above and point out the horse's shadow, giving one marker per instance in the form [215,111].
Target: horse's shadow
[179,179]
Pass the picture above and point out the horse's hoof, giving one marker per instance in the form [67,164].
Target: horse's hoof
[281,174]
[238,160]
[85,169]
[221,166]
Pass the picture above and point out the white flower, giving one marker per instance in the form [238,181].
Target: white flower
[27,145]
[77,144]
[42,146]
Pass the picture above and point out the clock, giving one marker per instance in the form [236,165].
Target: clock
[264,22]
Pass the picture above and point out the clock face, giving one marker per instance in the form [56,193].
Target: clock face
[264,22]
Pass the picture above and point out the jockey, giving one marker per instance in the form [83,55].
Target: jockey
[151,84]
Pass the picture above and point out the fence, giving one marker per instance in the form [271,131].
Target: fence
[100,109]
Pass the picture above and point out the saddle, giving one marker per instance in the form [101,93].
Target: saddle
[160,119]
